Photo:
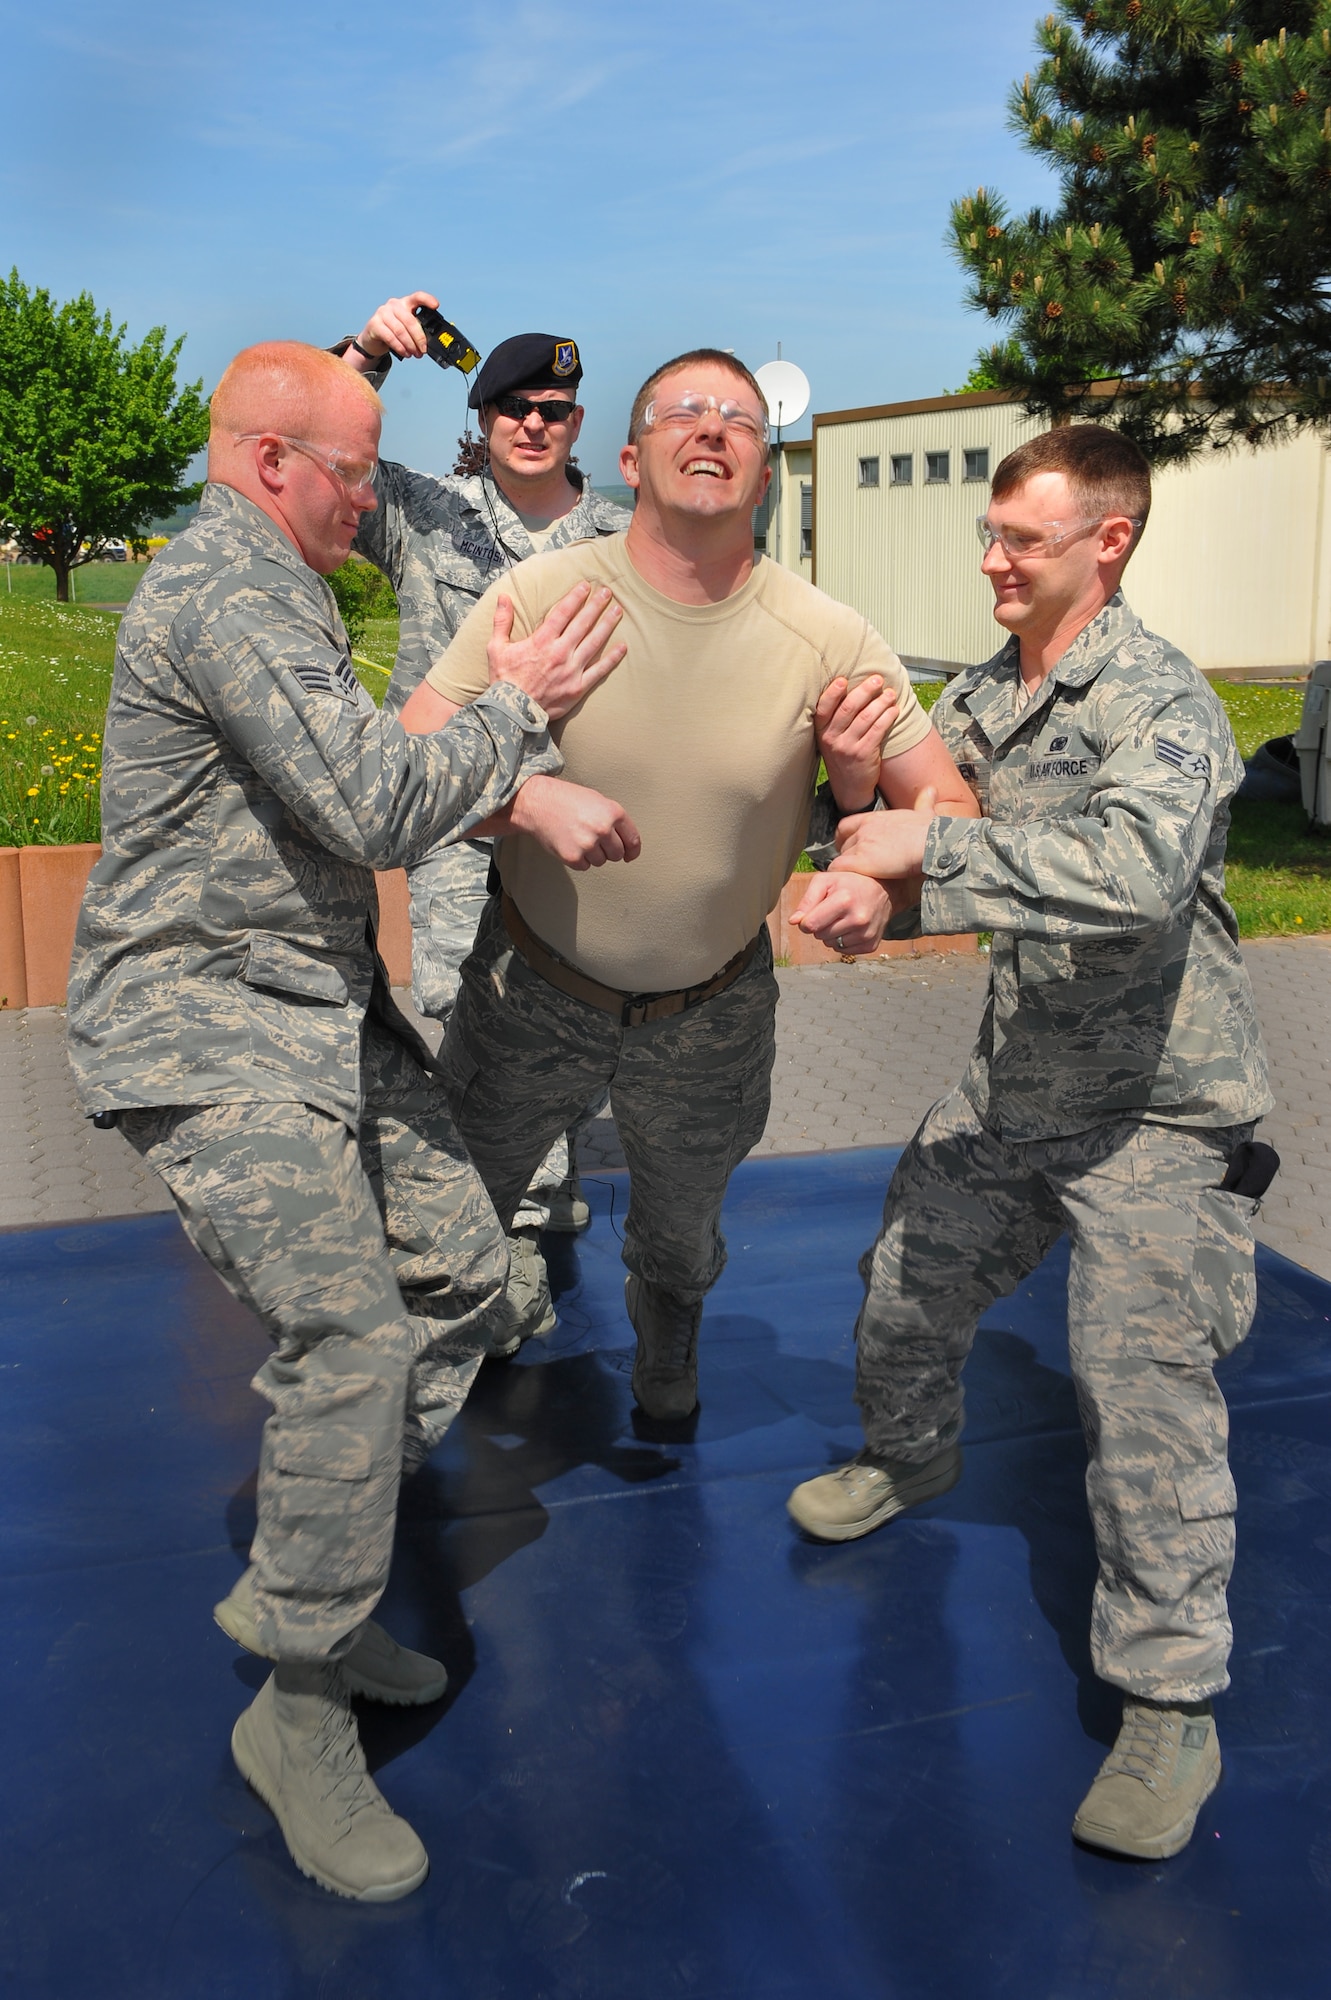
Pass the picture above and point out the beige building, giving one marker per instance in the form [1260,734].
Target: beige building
[1235,567]
[786,515]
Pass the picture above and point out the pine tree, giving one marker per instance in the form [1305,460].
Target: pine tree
[1190,257]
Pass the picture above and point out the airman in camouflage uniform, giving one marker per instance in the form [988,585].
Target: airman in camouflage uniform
[1117,1073]
[441,541]
[225,956]
[228,1008]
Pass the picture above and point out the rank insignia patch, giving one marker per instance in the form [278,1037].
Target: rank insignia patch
[1192,763]
[339,680]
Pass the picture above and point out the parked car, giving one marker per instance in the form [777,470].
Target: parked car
[115,552]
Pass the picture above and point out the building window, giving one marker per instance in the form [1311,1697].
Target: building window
[903,468]
[806,518]
[868,472]
[937,469]
[977,465]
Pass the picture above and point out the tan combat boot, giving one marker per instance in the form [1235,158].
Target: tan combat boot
[841,1506]
[1161,1771]
[569,1213]
[525,1311]
[665,1372]
[297,1746]
[376,1667]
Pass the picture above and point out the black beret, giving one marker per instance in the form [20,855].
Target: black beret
[527,361]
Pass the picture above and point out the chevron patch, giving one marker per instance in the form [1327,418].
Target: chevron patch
[1190,762]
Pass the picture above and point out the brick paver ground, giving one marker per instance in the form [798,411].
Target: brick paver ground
[1292,983]
[862,1052]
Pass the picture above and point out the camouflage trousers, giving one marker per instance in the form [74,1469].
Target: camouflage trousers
[689,1095]
[370,1258]
[448,899]
[1161,1283]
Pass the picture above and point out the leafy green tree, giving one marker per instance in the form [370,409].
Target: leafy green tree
[1189,259]
[94,434]
[362,593]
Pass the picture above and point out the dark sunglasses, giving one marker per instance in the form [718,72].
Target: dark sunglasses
[555,411]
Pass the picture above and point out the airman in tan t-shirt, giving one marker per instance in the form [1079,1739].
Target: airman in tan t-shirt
[704,734]
[629,952]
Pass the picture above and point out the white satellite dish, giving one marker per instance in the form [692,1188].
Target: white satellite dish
[786,388]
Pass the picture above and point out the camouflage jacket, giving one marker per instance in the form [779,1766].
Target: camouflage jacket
[225,948]
[1117,987]
[441,542]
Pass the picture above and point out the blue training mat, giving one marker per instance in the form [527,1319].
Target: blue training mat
[684,1752]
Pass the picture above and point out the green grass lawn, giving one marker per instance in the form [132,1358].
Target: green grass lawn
[1277,873]
[55,674]
[374,656]
[1256,714]
[93,583]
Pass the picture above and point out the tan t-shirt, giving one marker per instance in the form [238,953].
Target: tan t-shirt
[704,734]
[539,529]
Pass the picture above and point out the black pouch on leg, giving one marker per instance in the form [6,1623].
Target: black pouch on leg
[1252,1167]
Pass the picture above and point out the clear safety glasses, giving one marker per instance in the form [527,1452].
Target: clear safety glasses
[353,478]
[683,412]
[1017,544]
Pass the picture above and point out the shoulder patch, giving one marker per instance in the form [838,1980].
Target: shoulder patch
[339,680]
[1192,763]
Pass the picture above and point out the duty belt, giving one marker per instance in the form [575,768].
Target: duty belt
[632,1010]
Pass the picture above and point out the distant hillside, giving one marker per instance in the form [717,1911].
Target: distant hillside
[173,523]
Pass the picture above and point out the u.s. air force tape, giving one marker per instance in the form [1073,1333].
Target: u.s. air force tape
[1192,763]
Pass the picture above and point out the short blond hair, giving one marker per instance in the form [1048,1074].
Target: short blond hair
[283,386]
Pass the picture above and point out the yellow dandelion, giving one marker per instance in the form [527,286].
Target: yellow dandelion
[32,793]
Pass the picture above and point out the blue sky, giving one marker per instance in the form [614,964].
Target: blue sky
[646,179]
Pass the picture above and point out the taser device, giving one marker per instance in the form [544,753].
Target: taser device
[444,342]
